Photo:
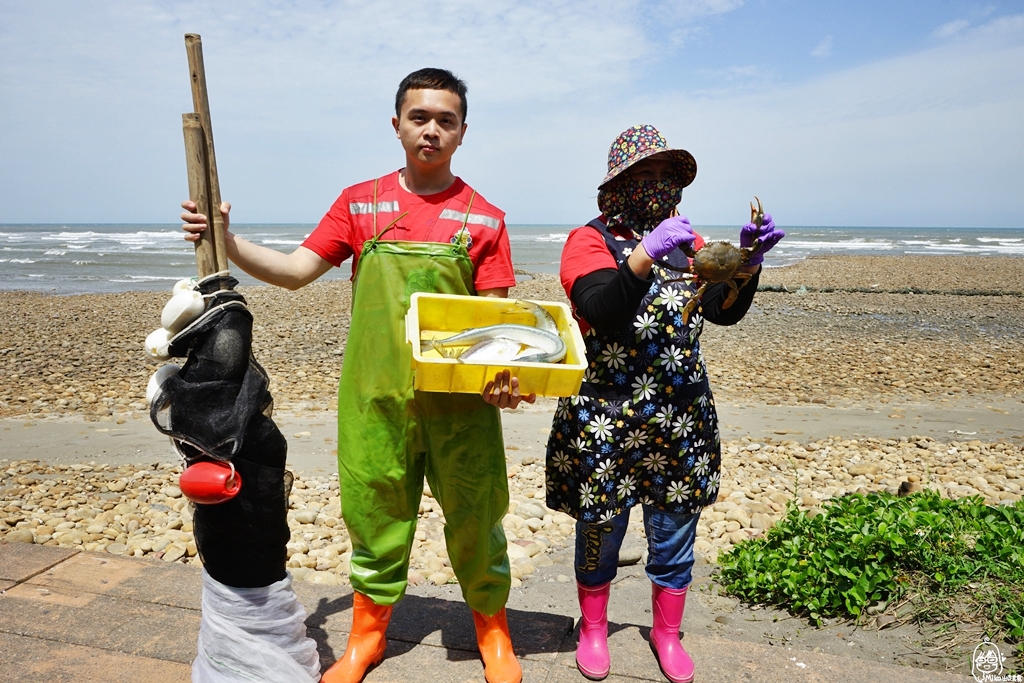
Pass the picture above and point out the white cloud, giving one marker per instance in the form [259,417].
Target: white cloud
[823,49]
[933,138]
[668,14]
[302,91]
[676,23]
[951,28]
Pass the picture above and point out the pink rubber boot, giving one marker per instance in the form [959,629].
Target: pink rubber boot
[592,658]
[667,606]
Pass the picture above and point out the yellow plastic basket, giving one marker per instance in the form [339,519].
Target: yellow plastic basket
[433,316]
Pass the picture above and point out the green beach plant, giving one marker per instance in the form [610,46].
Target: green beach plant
[938,560]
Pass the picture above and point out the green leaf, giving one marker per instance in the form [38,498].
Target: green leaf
[881,547]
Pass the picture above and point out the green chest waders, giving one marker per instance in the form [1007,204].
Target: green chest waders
[390,436]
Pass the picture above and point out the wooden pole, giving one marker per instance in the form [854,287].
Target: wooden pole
[195,161]
[201,104]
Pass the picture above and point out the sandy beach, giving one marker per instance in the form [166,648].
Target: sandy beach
[862,388]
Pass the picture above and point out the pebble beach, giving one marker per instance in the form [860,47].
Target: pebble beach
[888,334]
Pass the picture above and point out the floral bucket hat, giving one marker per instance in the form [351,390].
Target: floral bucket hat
[639,142]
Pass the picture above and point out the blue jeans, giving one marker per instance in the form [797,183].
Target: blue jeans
[669,548]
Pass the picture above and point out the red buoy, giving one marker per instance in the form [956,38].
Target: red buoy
[209,483]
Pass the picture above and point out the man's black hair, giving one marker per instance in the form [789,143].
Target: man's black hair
[431,79]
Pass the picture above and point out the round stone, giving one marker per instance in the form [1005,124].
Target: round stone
[20,536]
[525,566]
[534,549]
[305,516]
[516,551]
[173,553]
[529,511]
[300,573]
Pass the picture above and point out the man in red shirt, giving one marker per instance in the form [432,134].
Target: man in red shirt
[420,228]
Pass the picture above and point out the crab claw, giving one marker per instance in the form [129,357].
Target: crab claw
[750,251]
[756,214]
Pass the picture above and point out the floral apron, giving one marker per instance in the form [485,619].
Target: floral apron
[643,428]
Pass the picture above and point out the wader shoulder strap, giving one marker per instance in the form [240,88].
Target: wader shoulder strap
[376,236]
[462,236]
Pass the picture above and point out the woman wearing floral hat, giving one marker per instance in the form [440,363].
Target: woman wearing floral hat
[643,429]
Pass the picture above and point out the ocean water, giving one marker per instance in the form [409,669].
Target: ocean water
[73,258]
[537,247]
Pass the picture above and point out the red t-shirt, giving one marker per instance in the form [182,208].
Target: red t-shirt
[585,252]
[349,224]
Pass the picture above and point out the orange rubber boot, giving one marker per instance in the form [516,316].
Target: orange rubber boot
[500,663]
[366,642]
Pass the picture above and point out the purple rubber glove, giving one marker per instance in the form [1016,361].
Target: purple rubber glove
[768,234]
[670,234]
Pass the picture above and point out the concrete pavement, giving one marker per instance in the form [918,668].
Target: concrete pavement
[78,616]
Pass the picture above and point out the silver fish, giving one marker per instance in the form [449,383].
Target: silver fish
[498,349]
[544,346]
[542,319]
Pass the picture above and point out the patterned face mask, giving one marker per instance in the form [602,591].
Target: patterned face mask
[654,199]
[640,204]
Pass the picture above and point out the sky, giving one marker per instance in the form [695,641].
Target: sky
[870,113]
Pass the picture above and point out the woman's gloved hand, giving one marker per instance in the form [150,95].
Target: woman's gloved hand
[767,233]
[670,234]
